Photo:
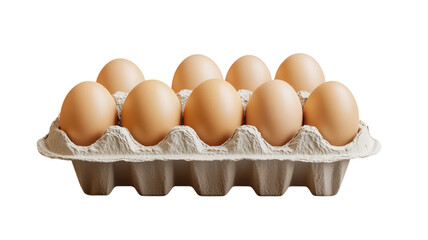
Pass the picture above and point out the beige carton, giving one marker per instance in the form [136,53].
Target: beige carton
[182,159]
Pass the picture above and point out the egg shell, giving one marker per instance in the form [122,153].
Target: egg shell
[301,71]
[248,72]
[150,111]
[193,71]
[214,110]
[332,109]
[86,113]
[275,110]
[120,75]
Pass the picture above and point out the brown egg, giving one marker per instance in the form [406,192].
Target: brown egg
[332,108]
[193,71]
[120,75]
[275,110]
[248,72]
[214,110]
[301,71]
[150,111]
[86,113]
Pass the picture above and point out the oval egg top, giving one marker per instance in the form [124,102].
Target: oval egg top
[248,72]
[301,71]
[120,75]
[332,109]
[275,110]
[214,110]
[193,71]
[150,111]
[86,113]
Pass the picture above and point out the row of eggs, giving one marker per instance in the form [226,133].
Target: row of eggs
[213,109]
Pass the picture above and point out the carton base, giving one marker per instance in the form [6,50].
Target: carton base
[210,178]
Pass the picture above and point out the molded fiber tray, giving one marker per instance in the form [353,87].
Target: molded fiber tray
[182,159]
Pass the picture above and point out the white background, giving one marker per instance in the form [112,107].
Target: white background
[377,48]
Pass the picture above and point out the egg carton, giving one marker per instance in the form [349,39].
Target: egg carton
[182,159]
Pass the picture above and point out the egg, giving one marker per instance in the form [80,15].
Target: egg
[332,109]
[86,113]
[120,75]
[150,111]
[248,72]
[193,71]
[214,110]
[275,110]
[301,71]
